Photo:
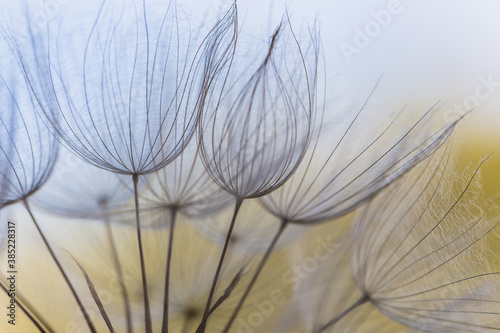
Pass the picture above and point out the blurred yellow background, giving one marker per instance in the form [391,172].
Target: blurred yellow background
[477,138]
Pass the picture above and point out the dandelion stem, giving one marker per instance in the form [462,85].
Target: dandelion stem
[35,318]
[237,206]
[224,297]
[365,298]
[147,310]
[63,273]
[173,216]
[262,263]
[119,272]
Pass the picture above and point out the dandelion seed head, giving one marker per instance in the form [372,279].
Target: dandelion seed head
[257,122]
[28,149]
[184,186]
[129,100]
[353,159]
[78,189]
[418,250]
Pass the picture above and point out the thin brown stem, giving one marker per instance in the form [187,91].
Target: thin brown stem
[147,310]
[173,216]
[237,206]
[63,273]
[223,298]
[262,263]
[119,271]
[35,318]
[337,318]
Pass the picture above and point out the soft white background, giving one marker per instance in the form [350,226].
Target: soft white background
[432,50]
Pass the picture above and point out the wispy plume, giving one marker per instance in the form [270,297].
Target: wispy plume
[354,155]
[77,189]
[258,121]
[256,127]
[28,149]
[419,251]
[208,176]
[130,99]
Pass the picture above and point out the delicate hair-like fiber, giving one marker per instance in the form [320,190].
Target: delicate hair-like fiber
[257,126]
[418,250]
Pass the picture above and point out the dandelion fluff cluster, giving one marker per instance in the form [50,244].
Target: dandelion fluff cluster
[244,168]
[344,169]
[129,100]
[418,251]
[28,148]
[257,125]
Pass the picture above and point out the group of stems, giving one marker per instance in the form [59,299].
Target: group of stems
[29,311]
[61,270]
[237,207]
[263,261]
[36,318]
[284,223]
[38,321]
